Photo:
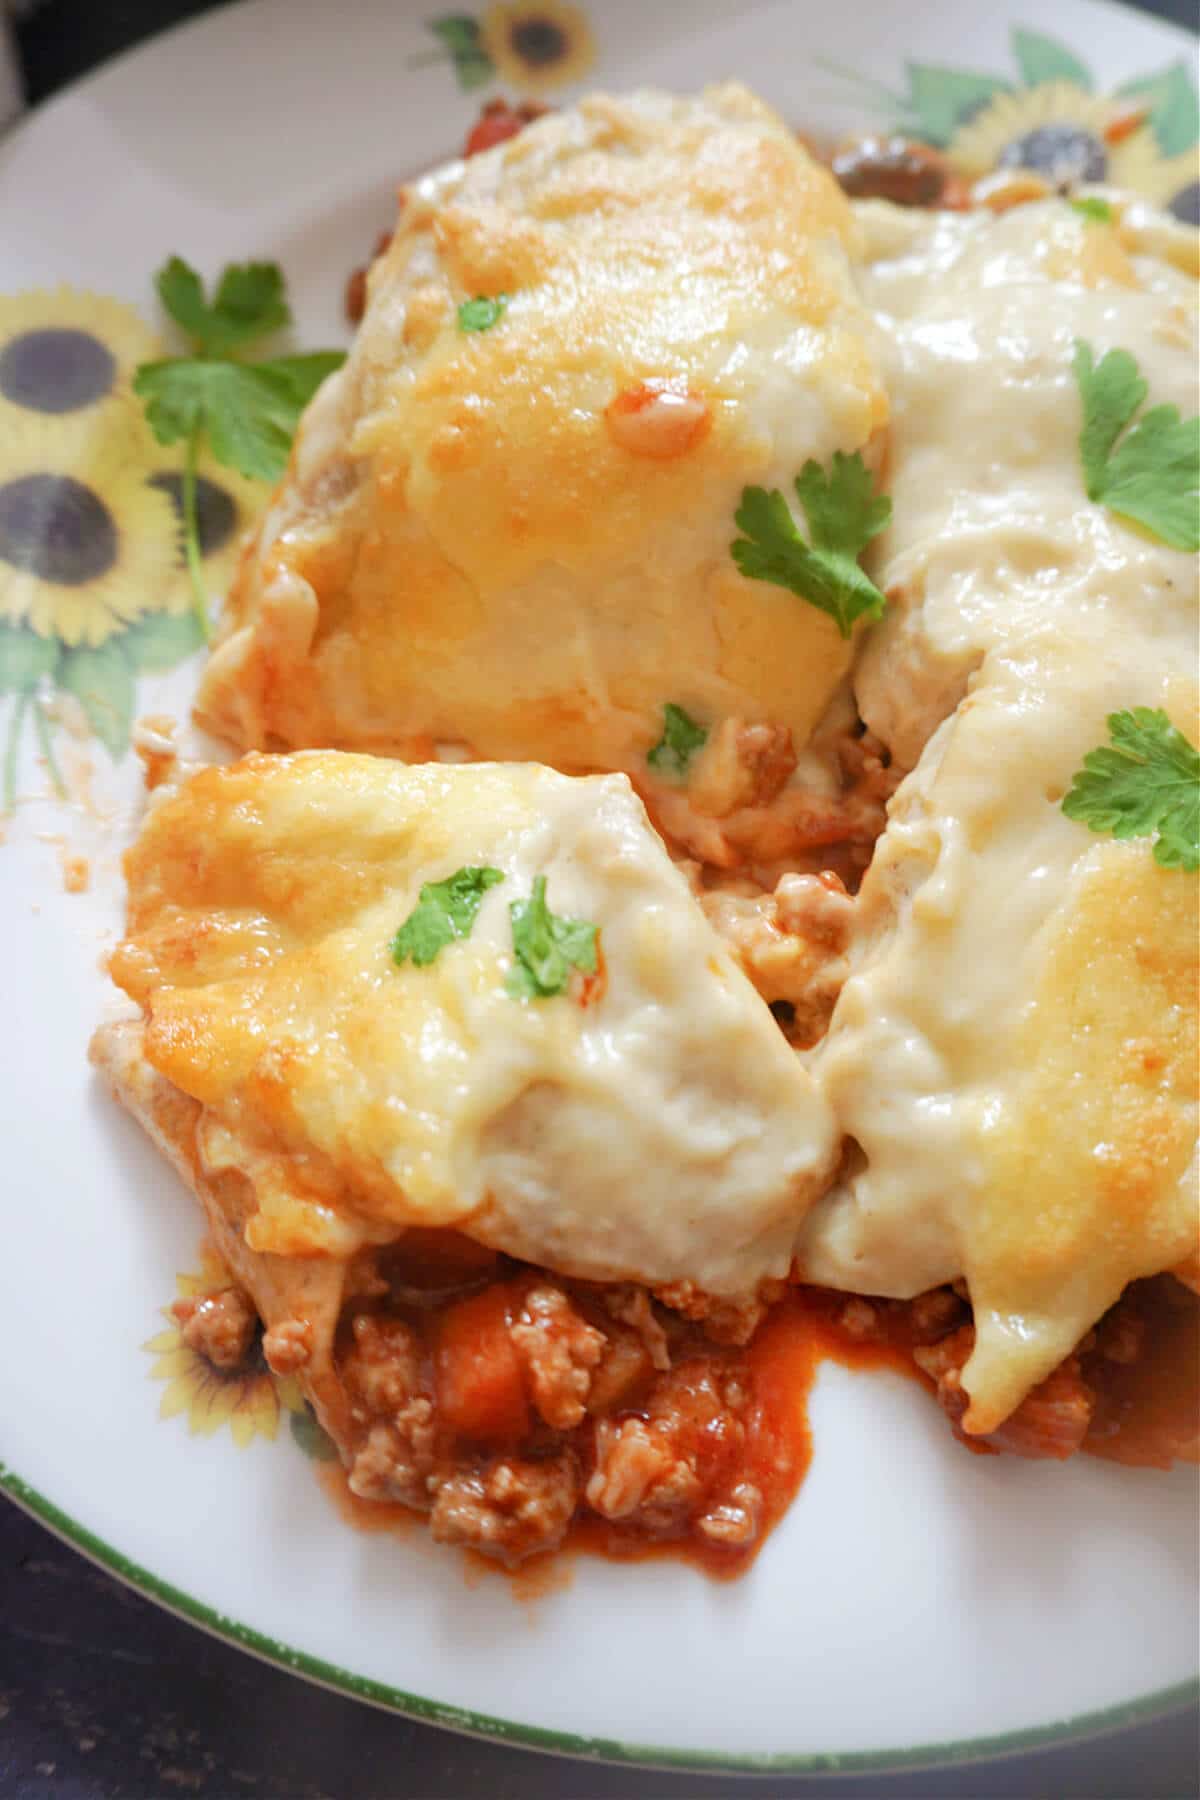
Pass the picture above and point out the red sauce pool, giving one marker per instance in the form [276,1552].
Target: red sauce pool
[1146,1414]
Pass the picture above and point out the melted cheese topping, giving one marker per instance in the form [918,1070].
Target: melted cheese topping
[661,1131]
[1014,1056]
[1015,1052]
[992,532]
[519,539]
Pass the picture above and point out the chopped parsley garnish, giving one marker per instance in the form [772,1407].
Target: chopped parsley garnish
[1153,475]
[844,513]
[680,740]
[1093,209]
[1144,783]
[546,947]
[445,910]
[248,411]
[481,313]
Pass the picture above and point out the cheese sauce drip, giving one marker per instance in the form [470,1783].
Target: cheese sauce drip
[1014,1054]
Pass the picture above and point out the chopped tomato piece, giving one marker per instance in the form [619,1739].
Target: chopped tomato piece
[498,122]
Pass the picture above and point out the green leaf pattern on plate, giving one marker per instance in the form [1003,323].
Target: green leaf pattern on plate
[939,100]
[26,659]
[460,34]
[1042,58]
[311,1436]
[1174,107]
[101,679]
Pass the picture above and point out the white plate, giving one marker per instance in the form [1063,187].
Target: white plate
[917,1604]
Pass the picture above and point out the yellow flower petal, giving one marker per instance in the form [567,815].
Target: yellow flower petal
[202,1420]
[242,1427]
[289,1393]
[177,1398]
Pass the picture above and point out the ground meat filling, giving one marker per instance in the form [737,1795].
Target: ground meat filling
[1051,1421]
[792,943]
[558,1351]
[510,1405]
[666,1471]
[508,1411]
[222,1327]
[533,1402]
[511,1508]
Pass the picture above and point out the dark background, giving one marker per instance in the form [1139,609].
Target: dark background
[103,1696]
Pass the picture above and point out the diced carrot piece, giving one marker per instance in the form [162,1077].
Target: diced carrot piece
[480,1389]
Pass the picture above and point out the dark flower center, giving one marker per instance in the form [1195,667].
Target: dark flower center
[216,514]
[1061,154]
[1186,204]
[56,370]
[539,42]
[53,527]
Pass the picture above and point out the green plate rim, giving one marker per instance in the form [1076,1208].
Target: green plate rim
[1157,1704]
[564,1743]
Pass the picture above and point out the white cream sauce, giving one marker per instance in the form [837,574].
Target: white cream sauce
[1009,587]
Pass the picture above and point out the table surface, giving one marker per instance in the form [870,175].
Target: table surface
[102,1695]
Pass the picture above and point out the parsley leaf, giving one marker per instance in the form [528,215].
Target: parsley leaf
[1145,783]
[844,513]
[481,313]
[445,910]
[1153,475]
[249,303]
[248,411]
[680,740]
[546,947]
[1093,209]
[249,415]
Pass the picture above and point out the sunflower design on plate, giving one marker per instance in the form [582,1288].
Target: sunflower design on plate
[88,555]
[94,589]
[231,1383]
[534,45]
[1069,138]
[91,591]
[66,357]
[85,542]
[537,44]
[1049,119]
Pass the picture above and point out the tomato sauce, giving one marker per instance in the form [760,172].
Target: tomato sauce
[1146,1411]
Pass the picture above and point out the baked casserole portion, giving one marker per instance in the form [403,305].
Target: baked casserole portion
[507,530]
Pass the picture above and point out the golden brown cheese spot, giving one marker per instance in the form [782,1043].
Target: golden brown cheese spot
[1088,1188]
[424,316]
[486,250]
